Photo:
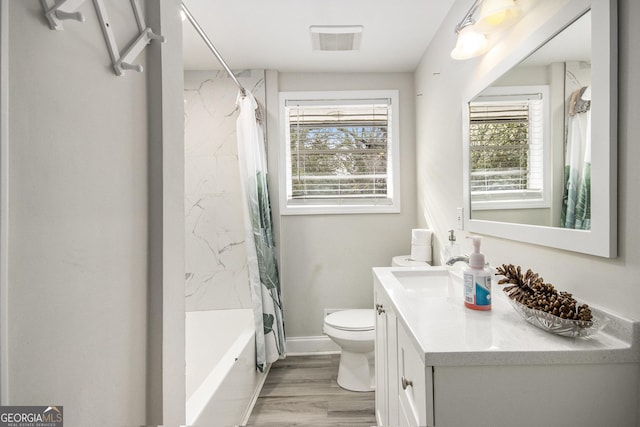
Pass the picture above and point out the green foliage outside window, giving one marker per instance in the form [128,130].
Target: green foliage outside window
[339,161]
[499,155]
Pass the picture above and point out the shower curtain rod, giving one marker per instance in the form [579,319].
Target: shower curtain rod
[200,31]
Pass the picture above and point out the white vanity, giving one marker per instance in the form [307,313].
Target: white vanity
[441,364]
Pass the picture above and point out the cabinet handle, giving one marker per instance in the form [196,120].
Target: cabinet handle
[379,308]
[406,383]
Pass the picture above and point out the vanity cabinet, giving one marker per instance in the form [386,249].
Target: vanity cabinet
[440,364]
[386,361]
[403,384]
[586,395]
[412,393]
[415,394]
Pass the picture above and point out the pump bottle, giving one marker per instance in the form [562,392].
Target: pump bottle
[477,280]
[452,249]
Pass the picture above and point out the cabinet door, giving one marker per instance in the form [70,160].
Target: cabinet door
[386,361]
[382,395]
[406,416]
[392,366]
[585,395]
[415,387]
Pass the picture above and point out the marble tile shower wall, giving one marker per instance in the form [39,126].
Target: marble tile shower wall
[215,253]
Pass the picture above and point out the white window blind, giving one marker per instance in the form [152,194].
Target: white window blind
[507,149]
[499,141]
[339,152]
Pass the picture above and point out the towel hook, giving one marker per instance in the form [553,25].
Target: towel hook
[61,11]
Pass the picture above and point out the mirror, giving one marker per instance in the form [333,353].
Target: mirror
[539,137]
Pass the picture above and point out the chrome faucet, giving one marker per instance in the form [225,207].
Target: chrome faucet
[464,258]
[452,260]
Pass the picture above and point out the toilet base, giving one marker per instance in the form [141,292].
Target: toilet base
[356,371]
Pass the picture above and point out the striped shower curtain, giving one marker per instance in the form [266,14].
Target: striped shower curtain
[262,262]
[576,202]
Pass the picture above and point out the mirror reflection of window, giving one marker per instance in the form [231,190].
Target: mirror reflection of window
[507,149]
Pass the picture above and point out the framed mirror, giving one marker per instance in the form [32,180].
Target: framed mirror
[539,136]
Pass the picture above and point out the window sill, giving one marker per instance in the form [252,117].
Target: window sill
[332,209]
[509,204]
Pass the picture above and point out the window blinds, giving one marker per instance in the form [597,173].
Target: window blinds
[506,149]
[338,150]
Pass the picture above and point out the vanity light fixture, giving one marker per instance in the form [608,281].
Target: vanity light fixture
[497,14]
[470,43]
[494,15]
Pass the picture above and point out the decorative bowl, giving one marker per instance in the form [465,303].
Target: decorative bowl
[556,325]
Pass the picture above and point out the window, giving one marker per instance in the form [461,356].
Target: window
[508,148]
[340,152]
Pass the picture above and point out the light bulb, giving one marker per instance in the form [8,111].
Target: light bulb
[497,18]
[470,43]
[496,15]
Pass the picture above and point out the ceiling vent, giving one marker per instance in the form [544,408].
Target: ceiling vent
[336,38]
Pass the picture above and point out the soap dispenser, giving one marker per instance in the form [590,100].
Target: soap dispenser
[477,280]
[452,248]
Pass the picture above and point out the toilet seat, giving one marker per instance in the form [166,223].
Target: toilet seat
[352,320]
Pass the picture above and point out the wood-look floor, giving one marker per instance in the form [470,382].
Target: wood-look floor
[302,391]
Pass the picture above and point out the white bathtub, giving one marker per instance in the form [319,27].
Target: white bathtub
[221,379]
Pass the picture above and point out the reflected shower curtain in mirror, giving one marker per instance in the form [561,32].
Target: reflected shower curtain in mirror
[576,202]
[261,255]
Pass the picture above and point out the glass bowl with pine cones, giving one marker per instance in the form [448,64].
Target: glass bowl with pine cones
[540,304]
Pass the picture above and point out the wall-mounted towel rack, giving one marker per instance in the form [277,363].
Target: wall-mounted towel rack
[125,62]
[67,9]
[62,10]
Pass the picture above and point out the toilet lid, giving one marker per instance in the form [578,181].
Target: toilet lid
[352,320]
[406,261]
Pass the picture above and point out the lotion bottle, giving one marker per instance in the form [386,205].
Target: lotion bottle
[477,280]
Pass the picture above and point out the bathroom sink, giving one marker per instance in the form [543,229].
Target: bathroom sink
[434,282]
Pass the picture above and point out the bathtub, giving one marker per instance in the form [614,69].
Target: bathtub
[222,382]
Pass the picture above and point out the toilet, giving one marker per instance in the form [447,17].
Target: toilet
[354,331]
[406,261]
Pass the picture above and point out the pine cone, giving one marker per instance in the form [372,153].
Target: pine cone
[532,291]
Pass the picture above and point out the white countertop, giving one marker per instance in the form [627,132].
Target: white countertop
[449,334]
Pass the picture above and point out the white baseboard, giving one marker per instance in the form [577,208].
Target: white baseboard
[302,346]
[256,394]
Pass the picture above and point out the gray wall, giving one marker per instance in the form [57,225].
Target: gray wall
[326,260]
[610,283]
[89,184]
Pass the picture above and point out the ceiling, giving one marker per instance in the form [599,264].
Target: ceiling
[274,34]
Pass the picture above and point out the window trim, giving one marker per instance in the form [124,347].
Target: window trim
[391,204]
[526,199]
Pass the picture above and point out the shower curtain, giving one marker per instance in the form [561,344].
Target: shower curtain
[261,256]
[576,202]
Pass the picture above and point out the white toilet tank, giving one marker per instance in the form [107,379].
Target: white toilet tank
[406,261]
